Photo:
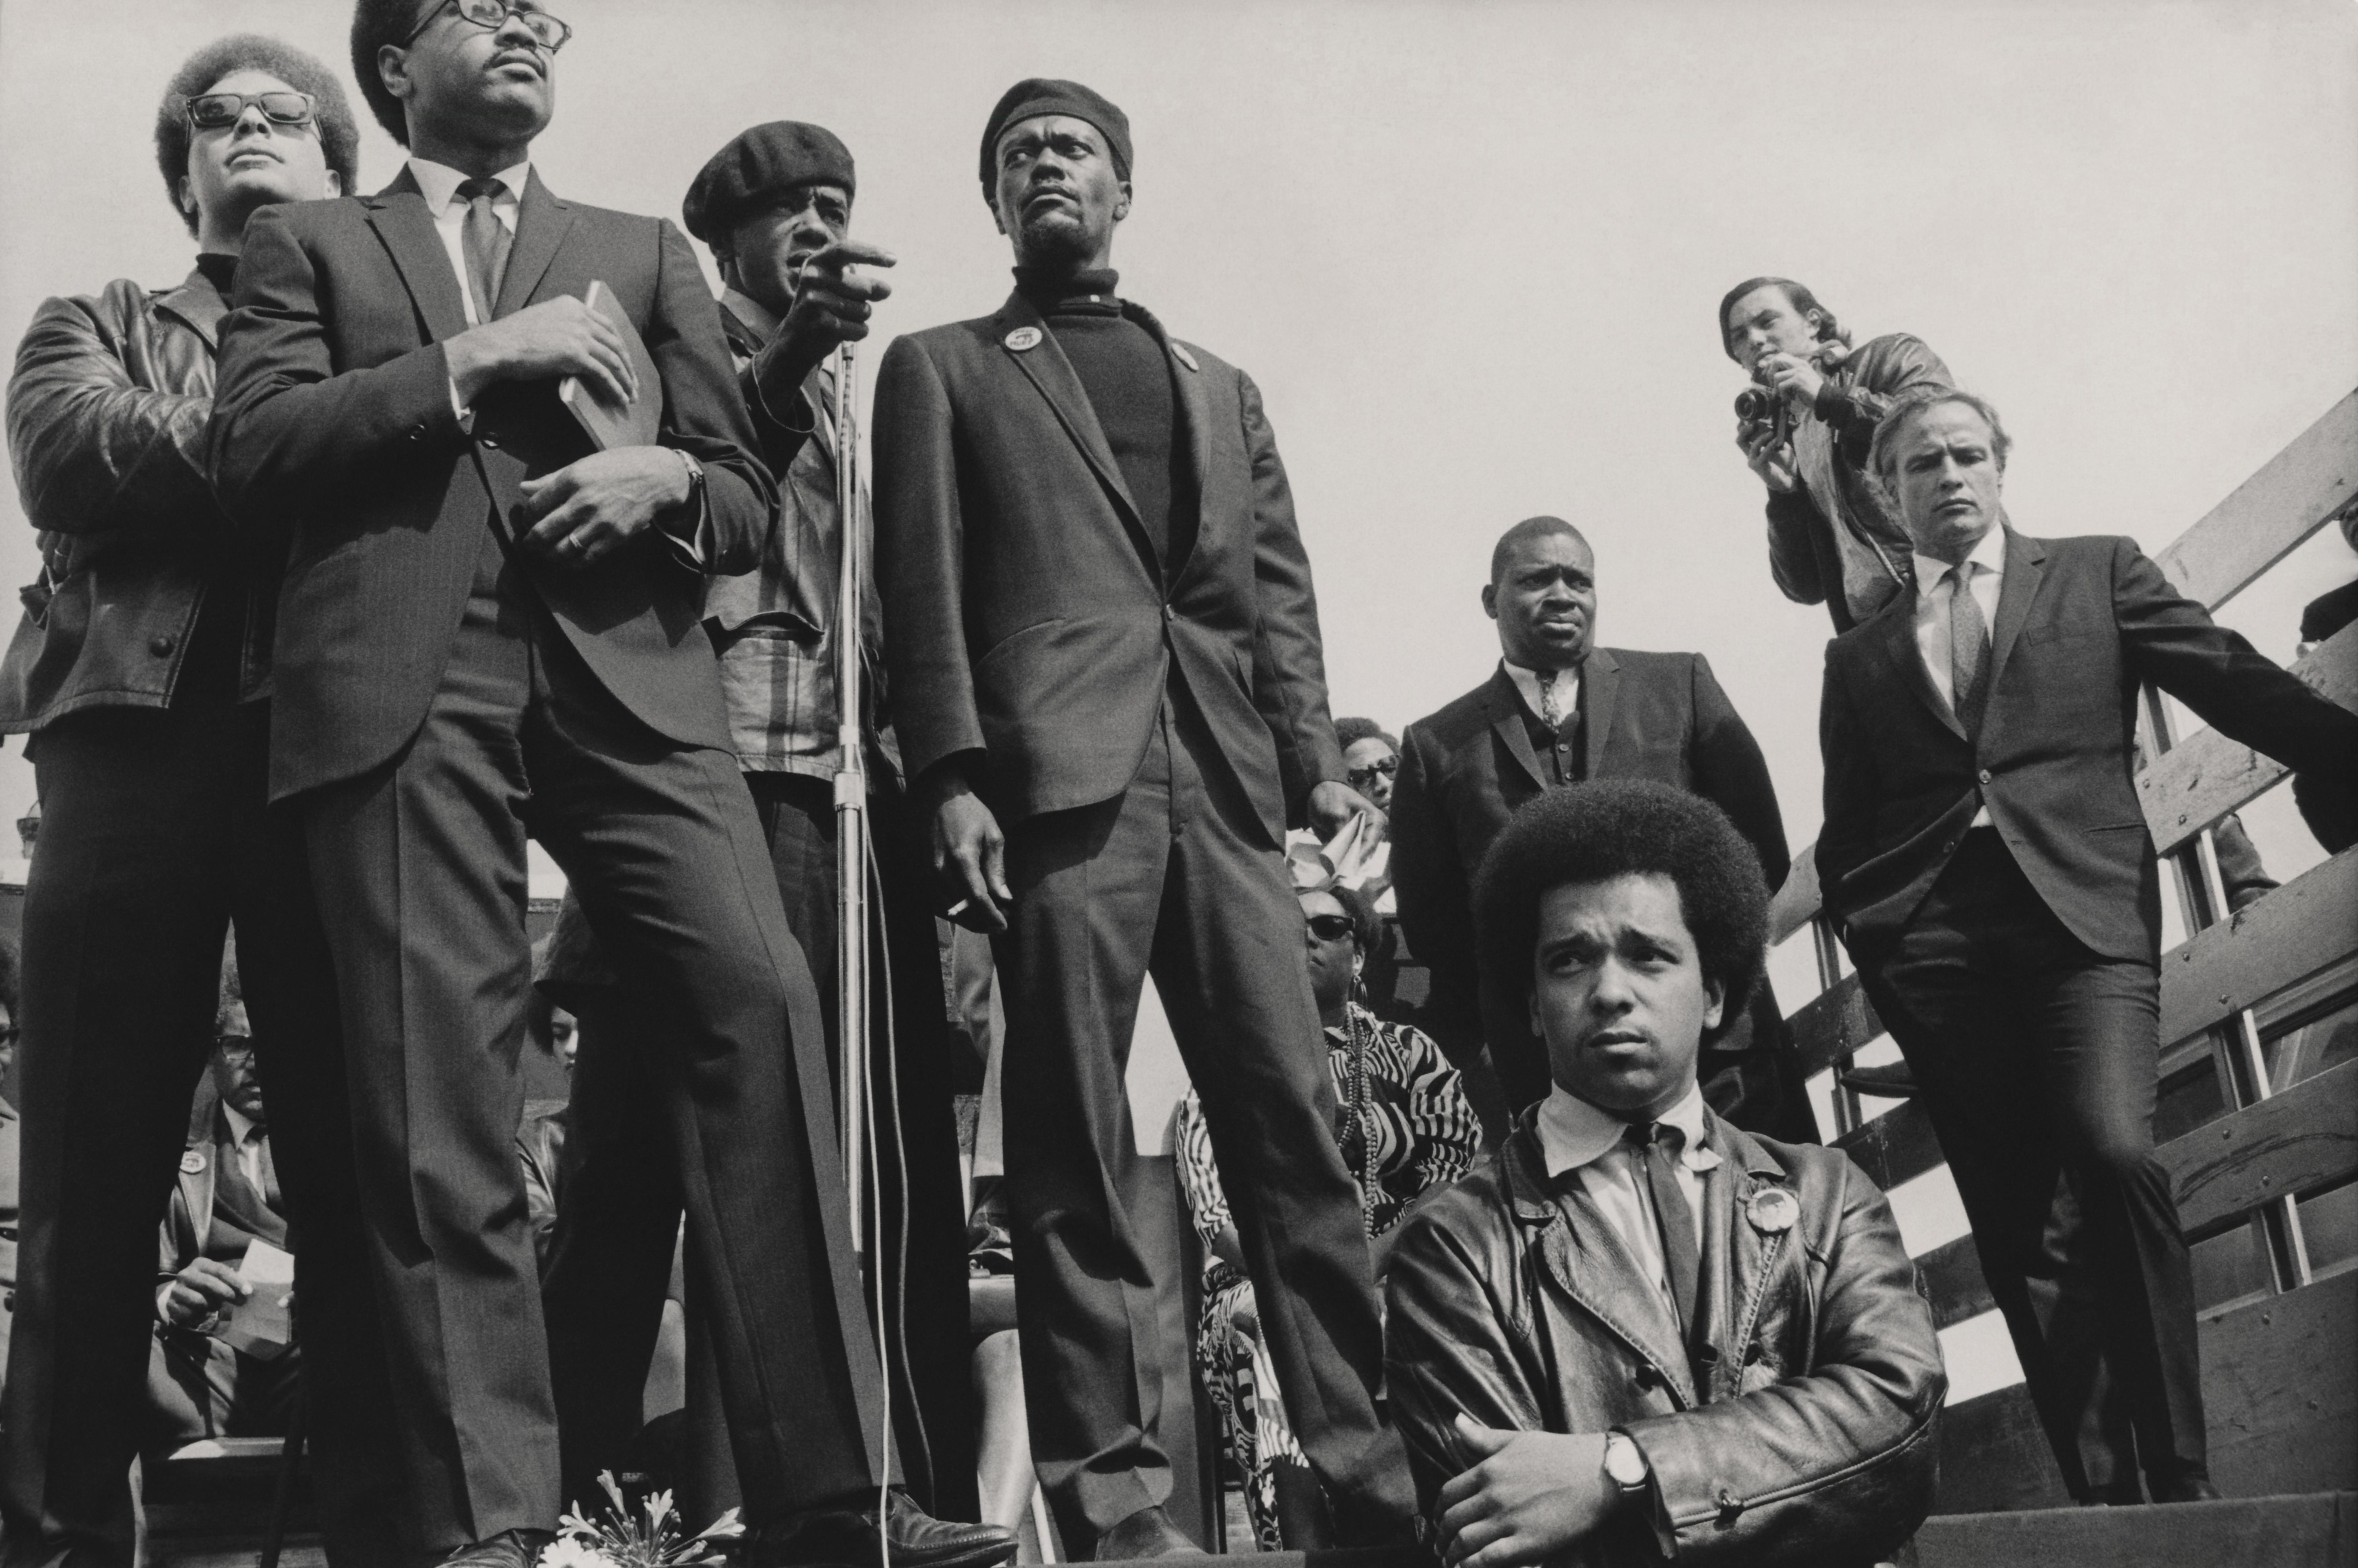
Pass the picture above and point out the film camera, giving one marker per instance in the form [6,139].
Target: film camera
[1762,406]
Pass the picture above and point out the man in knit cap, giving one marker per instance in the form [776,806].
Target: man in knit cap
[1111,699]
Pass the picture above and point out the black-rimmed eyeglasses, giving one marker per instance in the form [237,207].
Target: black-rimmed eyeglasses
[547,30]
[219,111]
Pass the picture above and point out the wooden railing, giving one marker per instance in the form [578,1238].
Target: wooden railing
[2280,1365]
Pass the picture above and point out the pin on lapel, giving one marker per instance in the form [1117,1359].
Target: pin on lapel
[1771,1210]
[193,1162]
[1024,338]
[1185,358]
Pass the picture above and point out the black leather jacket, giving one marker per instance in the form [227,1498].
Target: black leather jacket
[106,428]
[1802,1433]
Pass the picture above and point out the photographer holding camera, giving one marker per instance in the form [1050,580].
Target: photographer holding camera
[1804,425]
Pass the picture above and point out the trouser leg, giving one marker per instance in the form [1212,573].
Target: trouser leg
[125,916]
[664,847]
[1227,964]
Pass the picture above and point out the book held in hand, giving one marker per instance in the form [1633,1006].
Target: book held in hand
[609,425]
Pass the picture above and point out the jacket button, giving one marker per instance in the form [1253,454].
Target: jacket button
[492,442]
[160,646]
[1169,613]
[1984,775]
[1563,745]
[1950,847]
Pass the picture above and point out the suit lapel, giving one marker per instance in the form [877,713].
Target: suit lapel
[199,304]
[398,215]
[1195,417]
[542,224]
[2026,563]
[1045,366]
[1594,1266]
[1896,631]
[1506,718]
[1599,680]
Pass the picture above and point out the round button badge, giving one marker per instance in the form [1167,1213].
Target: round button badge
[1024,338]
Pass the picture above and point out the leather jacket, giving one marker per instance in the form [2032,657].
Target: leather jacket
[107,411]
[1801,1429]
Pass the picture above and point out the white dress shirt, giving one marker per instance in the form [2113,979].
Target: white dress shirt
[249,1150]
[440,184]
[1576,1136]
[1985,571]
[1567,689]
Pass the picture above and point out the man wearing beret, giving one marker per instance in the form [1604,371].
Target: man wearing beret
[1109,693]
[774,205]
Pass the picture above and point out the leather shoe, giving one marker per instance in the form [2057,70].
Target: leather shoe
[911,1537]
[2189,1490]
[1148,1533]
[509,1549]
[1894,1080]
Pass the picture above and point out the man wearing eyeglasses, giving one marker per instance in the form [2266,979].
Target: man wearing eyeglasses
[141,671]
[482,630]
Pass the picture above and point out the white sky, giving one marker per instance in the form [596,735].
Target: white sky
[1470,250]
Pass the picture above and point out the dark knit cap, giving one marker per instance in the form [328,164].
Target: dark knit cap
[758,166]
[1038,95]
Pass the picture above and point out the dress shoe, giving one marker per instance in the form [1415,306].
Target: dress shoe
[912,1538]
[2189,1490]
[509,1549]
[1148,1533]
[1893,1080]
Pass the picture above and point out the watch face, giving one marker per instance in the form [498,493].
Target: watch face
[1623,1462]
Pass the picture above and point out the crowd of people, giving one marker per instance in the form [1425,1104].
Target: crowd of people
[339,606]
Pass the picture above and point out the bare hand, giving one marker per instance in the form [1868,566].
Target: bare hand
[1332,804]
[1528,1497]
[1792,375]
[970,857]
[555,338]
[203,1288]
[587,510]
[1768,456]
[832,306]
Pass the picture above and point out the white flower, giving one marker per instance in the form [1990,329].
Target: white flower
[567,1552]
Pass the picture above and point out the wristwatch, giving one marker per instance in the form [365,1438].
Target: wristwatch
[694,504]
[1624,1466]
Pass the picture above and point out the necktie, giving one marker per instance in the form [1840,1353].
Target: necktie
[267,1170]
[1551,705]
[1650,1145]
[486,241]
[1968,650]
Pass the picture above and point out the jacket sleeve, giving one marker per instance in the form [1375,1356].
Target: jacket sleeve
[1889,366]
[287,430]
[1436,903]
[704,411]
[2171,641]
[1456,1339]
[1793,519]
[1846,837]
[1289,662]
[1730,772]
[784,416]
[95,450]
[1834,1466]
[921,561]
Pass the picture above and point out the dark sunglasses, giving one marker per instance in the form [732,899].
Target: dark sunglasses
[219,111]
[547,30]
[1328,927]
[1386,766]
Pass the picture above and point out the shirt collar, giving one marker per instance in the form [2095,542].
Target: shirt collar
[439,182]
[1989,554]
[1574,1133]
[750,311]
[241,1128]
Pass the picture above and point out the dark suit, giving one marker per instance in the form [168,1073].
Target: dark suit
[1465,770]
[1143,749]
[2016,965]
[436,697]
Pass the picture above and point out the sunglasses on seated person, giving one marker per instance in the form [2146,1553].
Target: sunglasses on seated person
[1386,766]
[1328,927]
[547,30]
[219,111]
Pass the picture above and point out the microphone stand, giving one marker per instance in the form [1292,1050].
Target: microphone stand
[852,827]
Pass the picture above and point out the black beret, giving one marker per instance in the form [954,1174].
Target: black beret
[1038,95]
[764,162]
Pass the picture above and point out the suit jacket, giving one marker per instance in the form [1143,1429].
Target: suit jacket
[1024,608]
[2081,624]
[1796,1427]
[1465,770]
[214,1212]
[333,417]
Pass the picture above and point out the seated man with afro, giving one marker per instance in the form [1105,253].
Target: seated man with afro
[1636,1332]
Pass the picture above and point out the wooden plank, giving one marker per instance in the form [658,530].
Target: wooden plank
[2205,776]
[2269,515]
[1796,904]
[1951,1276]
[2304,926]
[2288,1144]
[1896,1147]
[2314,1530]
[1838,1022]
[2279,1391]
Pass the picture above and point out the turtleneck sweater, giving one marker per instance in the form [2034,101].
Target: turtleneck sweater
[1127,377]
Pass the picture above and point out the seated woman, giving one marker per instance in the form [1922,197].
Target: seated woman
[1405,1129]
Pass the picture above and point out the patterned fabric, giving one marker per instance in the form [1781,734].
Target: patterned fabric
[1425,1136]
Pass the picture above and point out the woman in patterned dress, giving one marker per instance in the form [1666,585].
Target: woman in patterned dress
[1405,1129]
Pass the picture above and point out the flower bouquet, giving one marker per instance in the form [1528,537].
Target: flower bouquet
[621,1540]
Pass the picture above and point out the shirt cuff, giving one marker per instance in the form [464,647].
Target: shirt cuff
[464,415]
[688,533]
[163,1304]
